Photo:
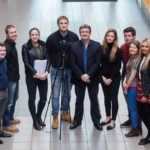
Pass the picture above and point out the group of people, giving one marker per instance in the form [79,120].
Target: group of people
[84,63]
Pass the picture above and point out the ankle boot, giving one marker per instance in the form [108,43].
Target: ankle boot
[133,132]
[55,122]
[36,125]
[140,129]
[40,122]
[66,117]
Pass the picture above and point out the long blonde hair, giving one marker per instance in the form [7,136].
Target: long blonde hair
[144,66]
[114,47]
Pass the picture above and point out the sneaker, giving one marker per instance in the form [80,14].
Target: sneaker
[11,129]
[15,121]
[126,124]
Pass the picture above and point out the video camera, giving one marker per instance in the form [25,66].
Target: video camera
[64,46]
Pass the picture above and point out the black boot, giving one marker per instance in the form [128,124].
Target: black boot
[133,132]
[1,142]
[40,122]
[36,125]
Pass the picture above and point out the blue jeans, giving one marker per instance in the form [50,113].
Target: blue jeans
[13,90]
[57,89]
[132,93]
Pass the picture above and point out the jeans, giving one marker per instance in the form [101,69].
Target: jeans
[57,89]
[126,99]
[3,103]
[132,103]
[13,90]
[32,84]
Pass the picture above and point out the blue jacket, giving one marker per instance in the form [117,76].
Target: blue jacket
[3,75]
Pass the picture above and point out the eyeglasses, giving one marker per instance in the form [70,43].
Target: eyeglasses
[84,31]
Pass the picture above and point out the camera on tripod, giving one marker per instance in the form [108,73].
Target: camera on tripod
[64,46]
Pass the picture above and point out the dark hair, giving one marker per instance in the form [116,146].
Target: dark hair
[34,29]
[2,44]
[130,29]
[8,27]
[85,26]
[62,17]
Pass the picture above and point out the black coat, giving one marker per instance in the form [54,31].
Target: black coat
[145,77]
[12,61]
[94,54]
[29,55]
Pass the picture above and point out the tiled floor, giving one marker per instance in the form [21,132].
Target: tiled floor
[25,14]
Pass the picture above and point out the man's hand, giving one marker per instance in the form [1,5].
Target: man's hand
[85,78]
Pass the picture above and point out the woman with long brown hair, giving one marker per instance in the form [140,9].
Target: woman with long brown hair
[143,88]
[35,50]
[130,88]
[111,64]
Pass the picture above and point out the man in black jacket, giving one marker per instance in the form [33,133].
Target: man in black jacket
[58,43]
[13,79]
[85,64]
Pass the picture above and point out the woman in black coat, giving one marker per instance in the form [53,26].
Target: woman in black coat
[110,67]
[143,87]
[35,49]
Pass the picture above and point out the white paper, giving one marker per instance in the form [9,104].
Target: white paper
[40,65]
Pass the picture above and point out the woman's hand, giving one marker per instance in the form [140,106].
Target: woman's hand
[144,99]
[125,91]
[40,76]
[125,86]
[37,75]
[44,75]
[107,82]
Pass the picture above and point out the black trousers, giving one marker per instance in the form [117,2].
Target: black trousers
[79,109]
[32,84]
[111,97]
[144,113]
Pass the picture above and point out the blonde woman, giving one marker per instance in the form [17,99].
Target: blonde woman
[143,88]
[111,64]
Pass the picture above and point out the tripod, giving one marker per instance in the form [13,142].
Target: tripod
[63,69]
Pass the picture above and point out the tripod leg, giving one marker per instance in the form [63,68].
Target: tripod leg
[51,95]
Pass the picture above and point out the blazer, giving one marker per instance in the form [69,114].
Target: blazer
[145,77]
[94,54]
[29,55]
